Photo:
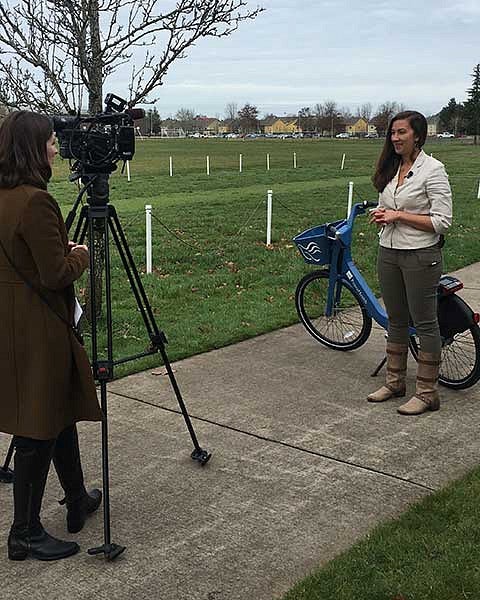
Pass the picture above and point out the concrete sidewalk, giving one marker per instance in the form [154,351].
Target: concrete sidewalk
[302,467]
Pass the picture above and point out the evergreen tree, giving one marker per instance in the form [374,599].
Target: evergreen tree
[451,117]
[155,122]
[248,117]
[472,106]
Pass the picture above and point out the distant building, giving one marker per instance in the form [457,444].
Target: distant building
[358,126]
[207,125]
[280,125]
[172,128]
[433,125]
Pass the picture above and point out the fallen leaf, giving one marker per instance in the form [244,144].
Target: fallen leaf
[162,372]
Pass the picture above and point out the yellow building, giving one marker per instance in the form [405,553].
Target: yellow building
[356,126]
[280,125]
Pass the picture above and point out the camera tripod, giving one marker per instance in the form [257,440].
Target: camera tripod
[98,218]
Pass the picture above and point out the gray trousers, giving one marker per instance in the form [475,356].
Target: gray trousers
[408,281]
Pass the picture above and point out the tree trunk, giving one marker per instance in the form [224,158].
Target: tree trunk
[95,92]
[95,96]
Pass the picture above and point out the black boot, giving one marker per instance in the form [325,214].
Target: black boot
[27,535]
[79,502]
[77,510]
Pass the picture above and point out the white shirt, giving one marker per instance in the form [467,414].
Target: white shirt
[425,191]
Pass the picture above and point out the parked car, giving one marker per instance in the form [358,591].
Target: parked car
[445,134]
[372,135]
[342,135]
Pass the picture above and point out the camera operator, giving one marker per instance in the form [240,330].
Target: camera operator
[47,383]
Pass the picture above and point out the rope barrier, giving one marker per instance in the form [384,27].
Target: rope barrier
[175,235]
[260,202]
[277,201]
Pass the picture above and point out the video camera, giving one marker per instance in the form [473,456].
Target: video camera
[96,143]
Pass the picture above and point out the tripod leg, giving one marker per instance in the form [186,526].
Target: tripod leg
[377,370]
[198,454]
[111,551]
[103,371]
[157,337]
[6,474]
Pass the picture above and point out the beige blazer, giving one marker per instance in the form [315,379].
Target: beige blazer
[425,191]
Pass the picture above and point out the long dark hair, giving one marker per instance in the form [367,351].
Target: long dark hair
[23,149]
[389,161]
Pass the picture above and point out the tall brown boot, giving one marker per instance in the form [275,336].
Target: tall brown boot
[396,372]
[426,392]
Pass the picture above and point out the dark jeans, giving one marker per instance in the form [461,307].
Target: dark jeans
[408,281]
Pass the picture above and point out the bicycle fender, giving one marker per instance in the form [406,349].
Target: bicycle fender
[454,315]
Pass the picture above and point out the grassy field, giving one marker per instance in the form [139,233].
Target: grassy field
[215,282]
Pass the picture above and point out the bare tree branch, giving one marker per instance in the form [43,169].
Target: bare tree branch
[53,50]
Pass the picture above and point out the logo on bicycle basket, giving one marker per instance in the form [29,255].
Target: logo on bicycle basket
[311,252]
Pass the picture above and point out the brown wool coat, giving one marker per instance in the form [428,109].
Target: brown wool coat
[45,375]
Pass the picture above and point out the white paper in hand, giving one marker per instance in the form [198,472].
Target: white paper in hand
[78,312]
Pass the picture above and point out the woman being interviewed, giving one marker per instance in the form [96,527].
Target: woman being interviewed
[47,383]
[414,211]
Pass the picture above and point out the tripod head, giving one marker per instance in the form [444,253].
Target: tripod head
[97,188]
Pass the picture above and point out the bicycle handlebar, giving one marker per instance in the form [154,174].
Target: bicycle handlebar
[358,208]
[347,226]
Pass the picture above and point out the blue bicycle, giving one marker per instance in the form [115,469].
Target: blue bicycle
[336,305]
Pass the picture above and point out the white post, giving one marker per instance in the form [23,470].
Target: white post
[294,160]
[478,193]
[128,170]
[148,217]
[350,198]
[268,162]
[343,161]
[171,167]
[269,217]
[208,165]
[240,163]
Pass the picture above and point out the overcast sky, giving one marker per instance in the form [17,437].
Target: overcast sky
[298,53]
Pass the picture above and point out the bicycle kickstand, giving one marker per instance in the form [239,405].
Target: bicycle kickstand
[377,370]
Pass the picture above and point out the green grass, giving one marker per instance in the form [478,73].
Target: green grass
[225,285]
[430,553]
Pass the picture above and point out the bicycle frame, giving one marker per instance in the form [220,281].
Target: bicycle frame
[342,267]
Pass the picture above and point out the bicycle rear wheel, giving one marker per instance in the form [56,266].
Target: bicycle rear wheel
[460,362]
[349,325]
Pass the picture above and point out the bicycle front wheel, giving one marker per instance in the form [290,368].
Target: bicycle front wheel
[460,362]
[349,325]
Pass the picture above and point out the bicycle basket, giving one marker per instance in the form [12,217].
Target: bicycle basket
[314,245]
